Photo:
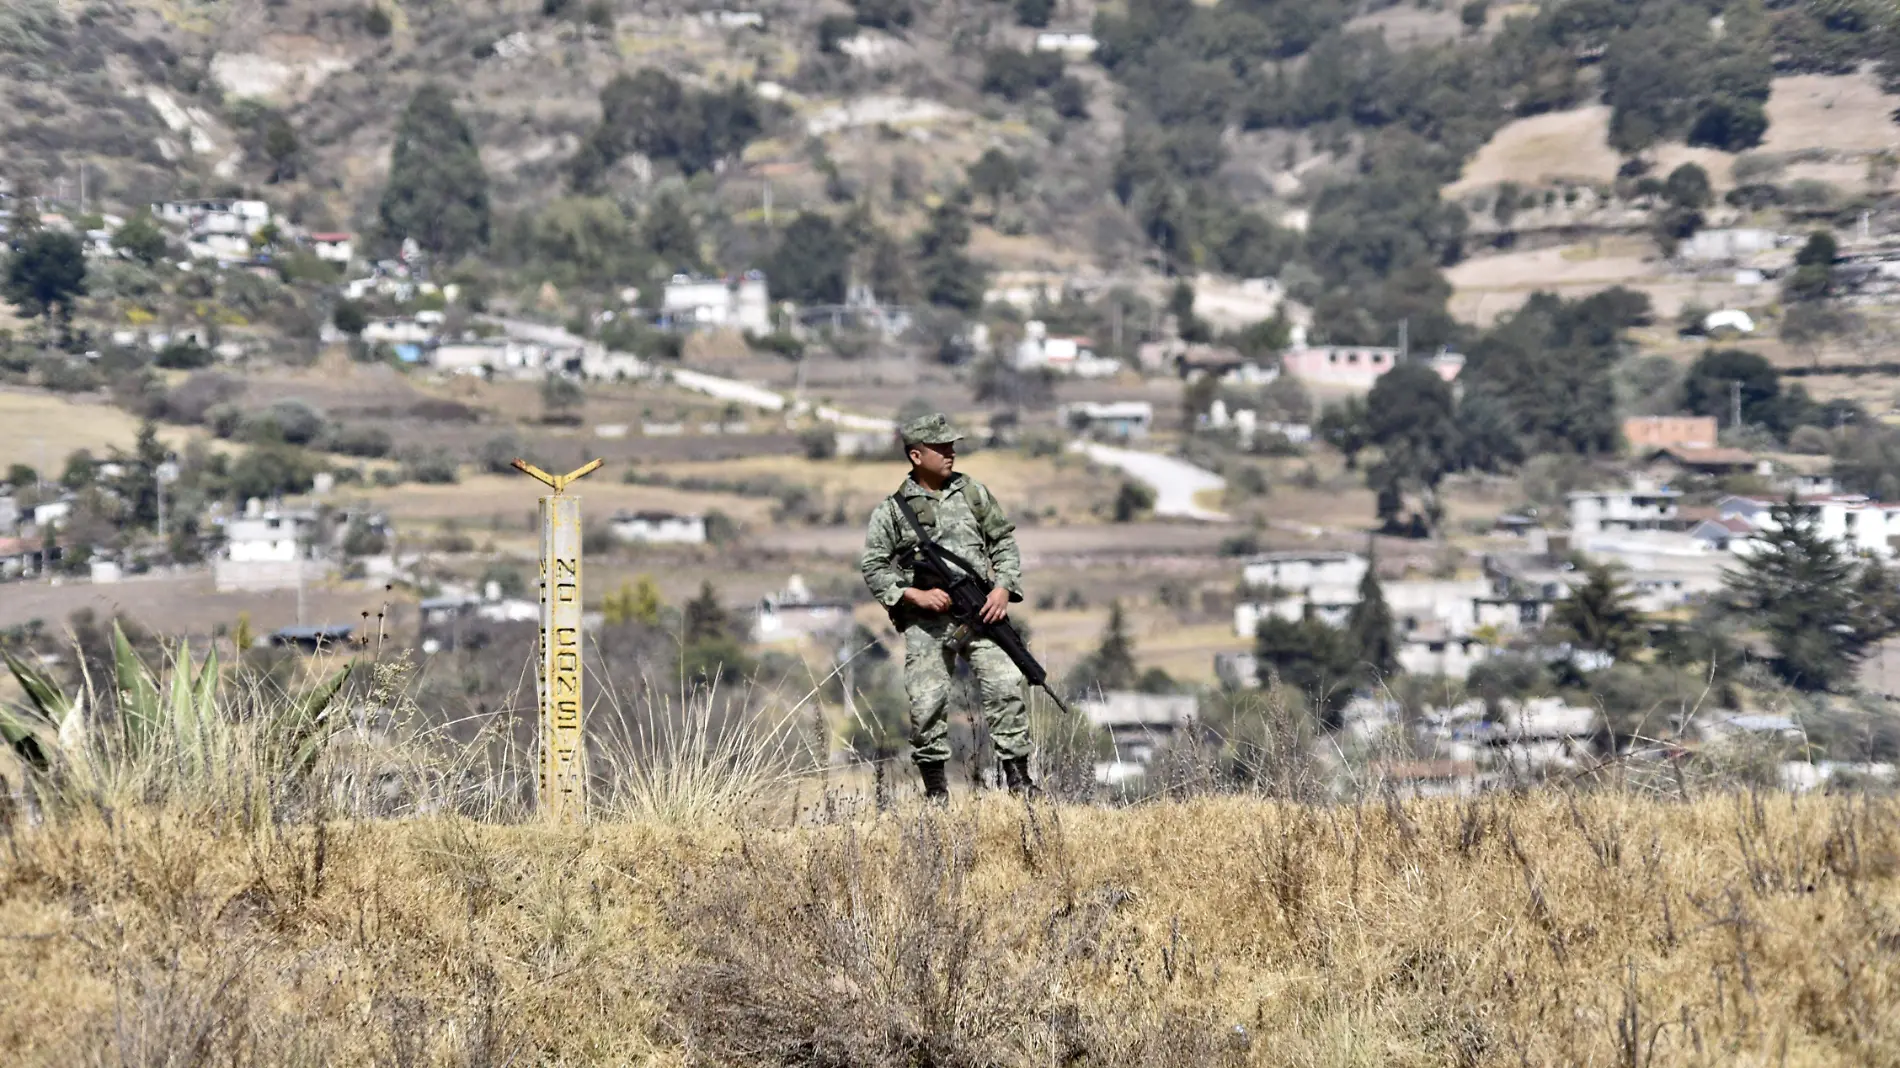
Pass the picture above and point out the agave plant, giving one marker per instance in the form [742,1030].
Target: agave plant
[172,727]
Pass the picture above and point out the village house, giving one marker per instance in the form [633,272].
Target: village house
[19,556]
[1295,571]
[1073,356]
[655,527]
[1353,367]
[793,613]
[1117,420]
[1675,461]
[268,550]
[218,216]
[734,20]
[398,330]
[1070,43]
[1645,505]
[338,248]
[52,513]
[1140,723]
[742,303]
[1435,651]
[1726,245]
[1857,523]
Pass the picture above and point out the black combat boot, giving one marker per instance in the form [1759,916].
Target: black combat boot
[936,783]
[1016,776]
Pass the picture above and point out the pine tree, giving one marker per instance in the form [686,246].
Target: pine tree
[1311,658]
[1821,610]
[705,619]
[1598,614]
[437,191]
[1115,657]
[1112,665]
[1369,630]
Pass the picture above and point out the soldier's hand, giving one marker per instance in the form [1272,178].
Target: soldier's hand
[928,600]
[995,606]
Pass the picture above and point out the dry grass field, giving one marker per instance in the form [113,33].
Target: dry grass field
[1547,929]
[1487,287]
[39,429]
[508,501]
[1051,487]
[189,604]
[1844,113]
[1839,114]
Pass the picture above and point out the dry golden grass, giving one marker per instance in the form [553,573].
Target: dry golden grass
[512,496]
[40,429]
[1544,929]
[1020,482]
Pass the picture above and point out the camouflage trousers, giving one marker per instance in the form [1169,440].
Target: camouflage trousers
[931,648]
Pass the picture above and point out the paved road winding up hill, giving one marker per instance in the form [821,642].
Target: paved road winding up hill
[1175,482]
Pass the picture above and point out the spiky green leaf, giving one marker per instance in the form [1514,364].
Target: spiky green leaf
[139,714]
[309,729]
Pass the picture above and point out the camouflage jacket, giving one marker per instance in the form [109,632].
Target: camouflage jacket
[964,518]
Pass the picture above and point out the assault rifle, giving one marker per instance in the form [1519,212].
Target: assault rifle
[937,568]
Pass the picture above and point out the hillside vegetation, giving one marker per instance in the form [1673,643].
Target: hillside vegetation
[621,141]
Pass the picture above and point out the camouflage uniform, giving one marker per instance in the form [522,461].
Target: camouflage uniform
[965,519]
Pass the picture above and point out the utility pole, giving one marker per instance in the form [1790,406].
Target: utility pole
[563,779]
[768,202]
[1405,339]
[1735,404]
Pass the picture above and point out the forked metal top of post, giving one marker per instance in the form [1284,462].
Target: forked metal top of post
[556,482]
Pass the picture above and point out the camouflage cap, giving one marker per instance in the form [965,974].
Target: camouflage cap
[932,429]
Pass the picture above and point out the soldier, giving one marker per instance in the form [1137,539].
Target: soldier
[962,516]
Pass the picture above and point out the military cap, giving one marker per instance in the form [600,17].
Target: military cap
[932,429]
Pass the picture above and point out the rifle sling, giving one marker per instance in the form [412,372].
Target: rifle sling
[924,540]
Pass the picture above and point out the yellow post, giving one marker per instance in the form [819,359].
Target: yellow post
[563,759]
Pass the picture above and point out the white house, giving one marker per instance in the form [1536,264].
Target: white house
[1435,651]
[521,359]
[333,247]
[1080,45]
[398,331]
[793,613]
[1302,570]
[1858,524]
[1127,420]
[1642,506]
[1063,355]
[219,216]
[655,527]
[261,536]
[1139,722]
[52,513]
[1725,246]
[267,550]
[743,303]
[733,20]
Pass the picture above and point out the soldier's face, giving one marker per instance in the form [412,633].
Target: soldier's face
[936,460]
